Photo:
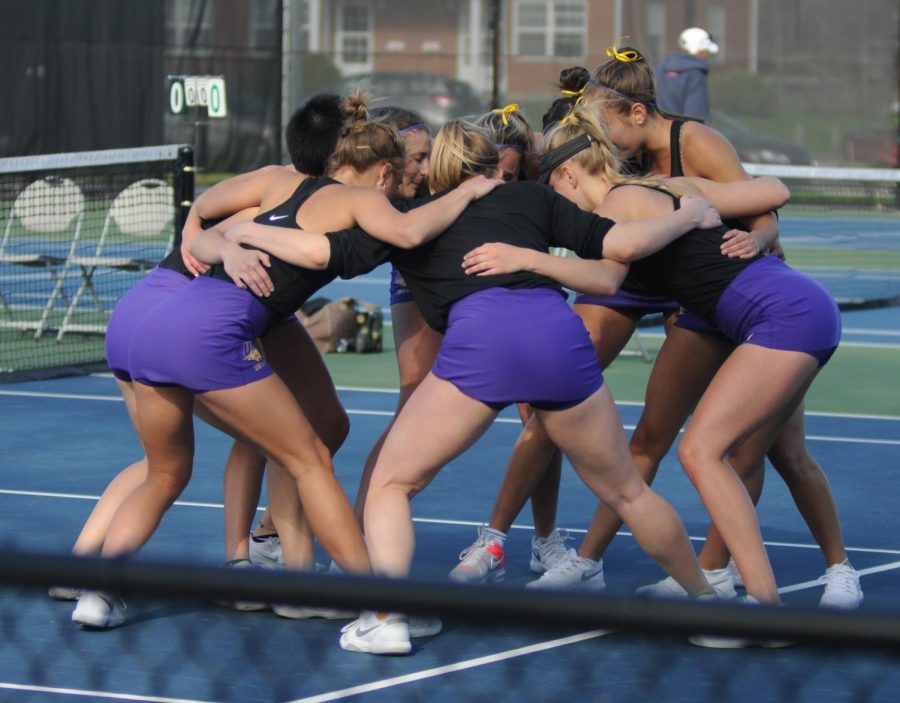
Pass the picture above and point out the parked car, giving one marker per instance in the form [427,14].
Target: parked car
[757,148]
[877,148]
[437,98]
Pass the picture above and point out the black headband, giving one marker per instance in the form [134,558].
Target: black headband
[552,159]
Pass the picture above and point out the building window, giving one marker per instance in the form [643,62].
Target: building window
[354,36]
[551,28]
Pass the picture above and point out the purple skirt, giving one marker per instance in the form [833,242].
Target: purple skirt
[400,293]
[204,338]
[505,346]
[146,294]
[772,305]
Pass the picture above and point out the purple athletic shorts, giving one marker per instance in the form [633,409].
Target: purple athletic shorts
[399,291]
[772,305]
[630,303]
[204,338]
[505,346]
[687,320]
[145,295]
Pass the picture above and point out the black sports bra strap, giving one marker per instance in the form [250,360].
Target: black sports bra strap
[676,199]
[675,168]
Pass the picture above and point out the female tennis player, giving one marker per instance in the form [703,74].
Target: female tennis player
[508,339]
[784,325]
[623,92]
[310,135]
[200,342]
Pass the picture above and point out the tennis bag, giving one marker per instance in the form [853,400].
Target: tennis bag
[345,325]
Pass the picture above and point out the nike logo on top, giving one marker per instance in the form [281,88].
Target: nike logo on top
[272,218]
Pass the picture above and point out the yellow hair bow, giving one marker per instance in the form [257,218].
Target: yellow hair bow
[572,93]
[508,110]
[572,111]
[623,56]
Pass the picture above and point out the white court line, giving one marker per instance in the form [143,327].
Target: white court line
[95,694]
[522,651]
[390,413]
[423,520]
[450,668]
[500,420]
[862,572]
[871,332]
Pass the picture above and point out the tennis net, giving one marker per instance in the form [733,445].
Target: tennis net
[842,228]
[499,643]
[78,229]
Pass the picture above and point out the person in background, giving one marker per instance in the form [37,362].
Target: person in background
[681,77]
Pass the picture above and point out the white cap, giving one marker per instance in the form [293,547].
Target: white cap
[694,40]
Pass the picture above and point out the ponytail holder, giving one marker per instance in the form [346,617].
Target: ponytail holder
[624,56]
[508,110]
[572,93]
[572,111]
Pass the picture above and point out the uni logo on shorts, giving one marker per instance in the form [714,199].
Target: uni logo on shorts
[252,353]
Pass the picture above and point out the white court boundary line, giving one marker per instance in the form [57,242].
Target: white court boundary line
[435,671]
[433,521]
[450,668]
[388,391]
[500,420]
[95,694]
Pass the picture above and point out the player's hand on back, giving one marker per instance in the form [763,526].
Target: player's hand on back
[707,216]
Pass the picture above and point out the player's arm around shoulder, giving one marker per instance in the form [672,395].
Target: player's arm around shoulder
[708,154]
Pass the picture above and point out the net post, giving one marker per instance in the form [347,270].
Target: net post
[184,189]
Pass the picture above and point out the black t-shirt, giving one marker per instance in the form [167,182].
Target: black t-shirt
[690,270]
[524,214]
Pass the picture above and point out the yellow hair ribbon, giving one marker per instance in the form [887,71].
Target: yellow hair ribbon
[623,56]
[572,111]
[508,110]
[572,93]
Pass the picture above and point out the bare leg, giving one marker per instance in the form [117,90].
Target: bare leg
[270,418]
[292,527]
[417,347]
[681,372]
[451,422]
[734,406]
[167,433]
[804,478]
[534,454]
[242,486]
[90,539]
[297,361]
[809,487]
[591,436]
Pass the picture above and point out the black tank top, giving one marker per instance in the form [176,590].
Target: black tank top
[691,270]
[293,285]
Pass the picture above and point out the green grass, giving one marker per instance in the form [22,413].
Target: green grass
[845,258]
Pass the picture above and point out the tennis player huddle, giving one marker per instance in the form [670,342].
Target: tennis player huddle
[662,218]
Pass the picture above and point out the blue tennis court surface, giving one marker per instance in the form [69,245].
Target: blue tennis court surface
[63,440]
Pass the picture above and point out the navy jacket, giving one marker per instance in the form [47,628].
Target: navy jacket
[681,85]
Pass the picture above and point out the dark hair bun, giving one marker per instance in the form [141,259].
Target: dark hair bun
[574,78]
